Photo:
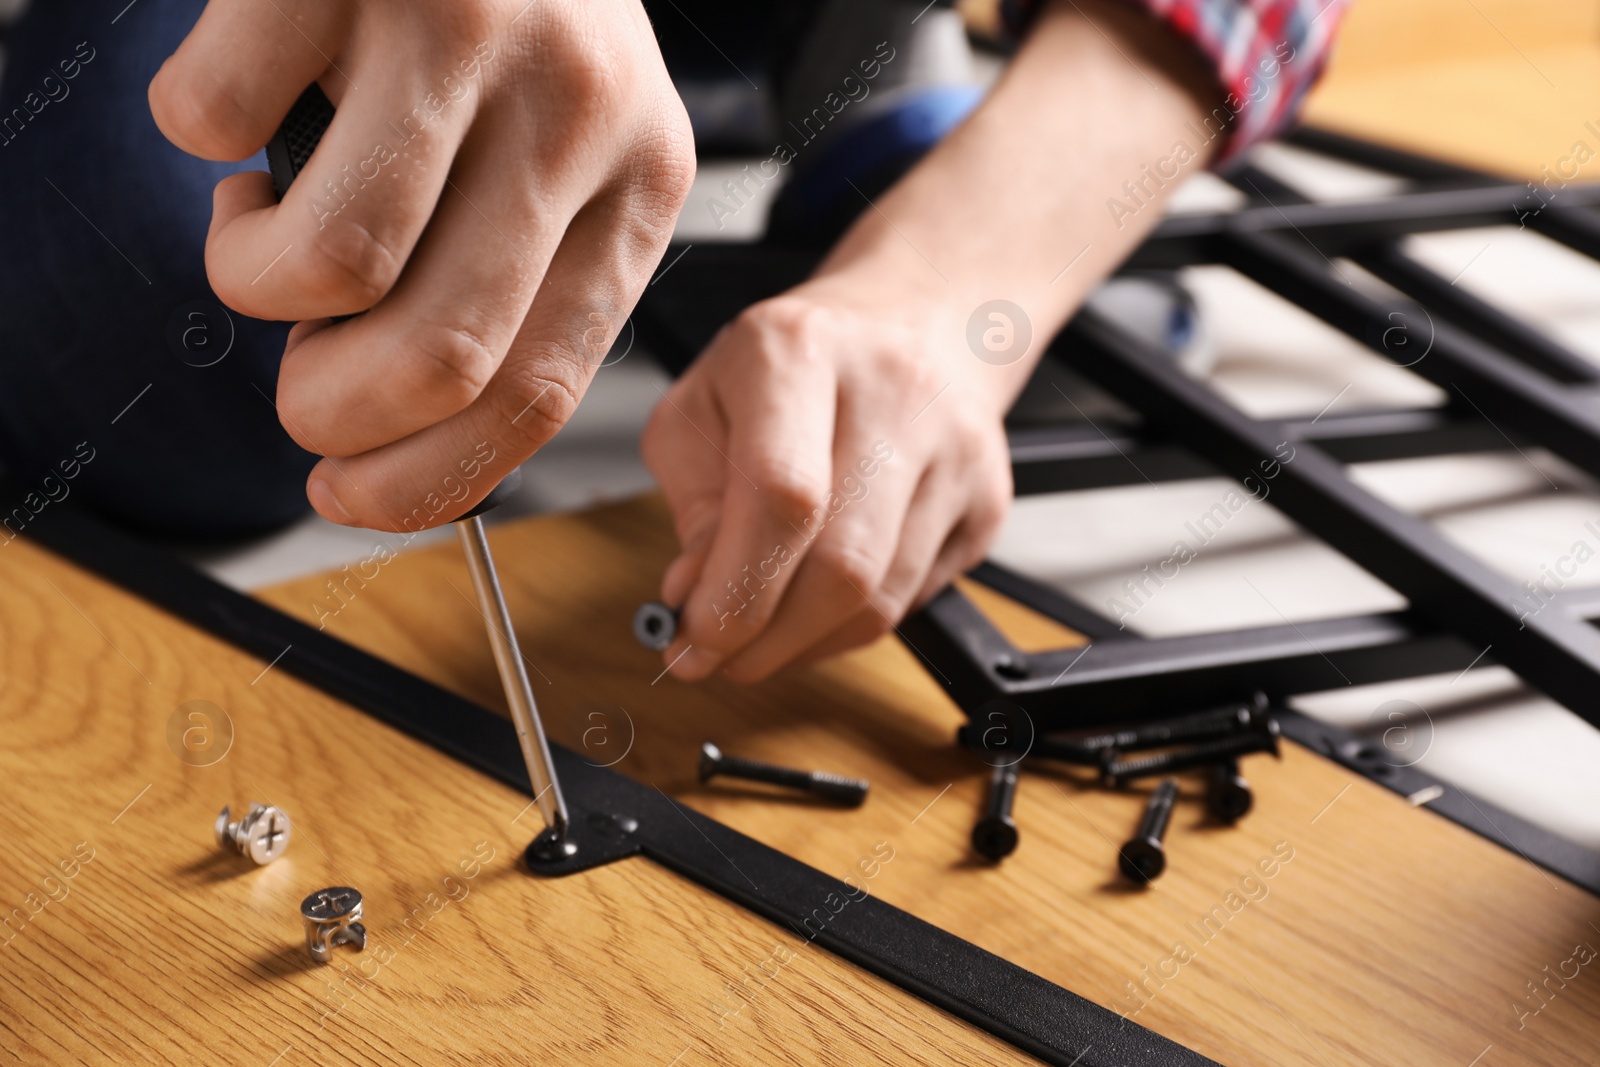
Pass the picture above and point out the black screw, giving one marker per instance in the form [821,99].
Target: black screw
[995,834]
[1263,737]
[1143,859]
[655,625]
[1207,725]
[1200,726]
[972,736]
[836,787]
[1228,792]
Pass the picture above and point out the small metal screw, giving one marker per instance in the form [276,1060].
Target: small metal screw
[836,787]
[1263,737]
[262,834]
[551,846]
[995,834]
[331,918]
[1143,859]
[1228,792]
[655,625]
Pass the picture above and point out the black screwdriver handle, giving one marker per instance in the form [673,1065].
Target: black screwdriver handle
[291,147]
[287,154]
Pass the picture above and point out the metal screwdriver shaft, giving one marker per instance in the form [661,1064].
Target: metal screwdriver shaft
[287,153]
[514,678]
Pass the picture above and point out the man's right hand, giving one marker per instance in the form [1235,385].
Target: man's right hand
[496,188]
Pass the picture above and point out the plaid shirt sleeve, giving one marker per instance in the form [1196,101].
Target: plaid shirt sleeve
[1266,53]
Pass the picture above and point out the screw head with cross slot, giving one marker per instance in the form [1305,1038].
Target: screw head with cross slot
[262,834]
[331,918]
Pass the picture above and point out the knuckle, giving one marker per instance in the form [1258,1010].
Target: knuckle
[791,317]
[352,264]
[597,80]
[984,520]
[655,442]
[209,121]
[892,605]
[535,406]
[782,339]
[853,564]
[993,502]
[790,492]
[668,156]
[458,365]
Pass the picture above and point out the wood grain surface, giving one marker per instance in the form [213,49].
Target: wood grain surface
[129,938]
[1382,935]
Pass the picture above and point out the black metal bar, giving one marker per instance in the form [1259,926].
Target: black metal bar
[1552,650]
[1341,226]
[1578,865]
[1046,601]
[1008,1001]
[1052,459]
[1125,678]
[1483,320]
[1508,394]
[1382,157]
[1479,318]
[1556,213]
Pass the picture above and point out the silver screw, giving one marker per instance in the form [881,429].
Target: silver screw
[262,834]
[331,918]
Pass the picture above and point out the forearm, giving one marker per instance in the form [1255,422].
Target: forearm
[1015,204]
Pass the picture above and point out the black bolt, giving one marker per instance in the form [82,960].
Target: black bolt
[1228,792]
[1065,752]
[655,625]
[995,834]
[1200,726]
[1206,725]
[851,792]
[1143,859]
[972,736]
[1263,737]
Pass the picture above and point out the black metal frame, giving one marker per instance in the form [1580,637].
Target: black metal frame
[1510,386]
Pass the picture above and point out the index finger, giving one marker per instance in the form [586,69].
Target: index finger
[780,460]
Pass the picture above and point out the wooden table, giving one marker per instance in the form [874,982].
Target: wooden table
[1509,86]
[1383,935]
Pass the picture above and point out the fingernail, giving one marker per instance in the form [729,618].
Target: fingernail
[322,497]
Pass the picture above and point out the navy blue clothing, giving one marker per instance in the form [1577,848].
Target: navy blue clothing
[104,300]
